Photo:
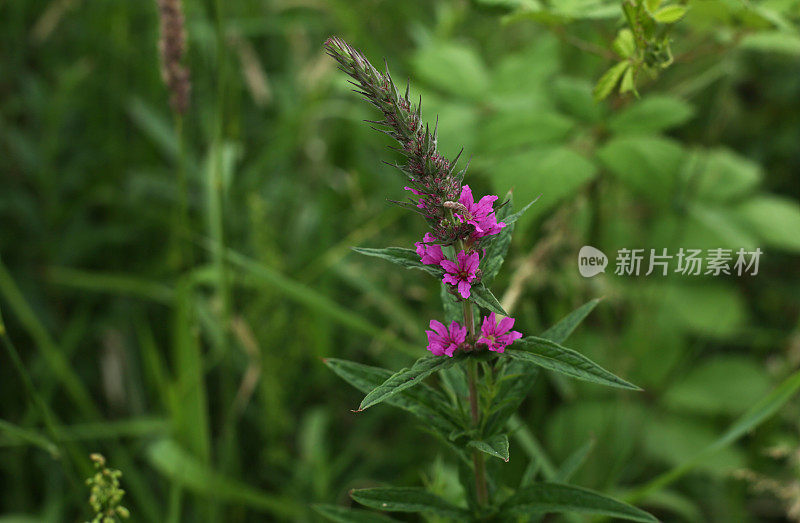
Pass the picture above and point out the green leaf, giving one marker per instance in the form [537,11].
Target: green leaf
[349,515]
[532,174]
[404,379]
[496,446]
[755,415]
[423,401]
[726,175]
[718,385]
[651,115]
[774,219]
[453,68]
[652,5]
[514,381]
[574,97]
[407,258]
[627,84]
[648,165]
[484,298]
[711,309]
[407,499]
[574,462]
[669,14]
[674,439]
[513,129]
[559,332]
[772,42]
[184,470]
[16,434]
[552,356]
[624,44]
[609,80]
[512,218]
[544,498]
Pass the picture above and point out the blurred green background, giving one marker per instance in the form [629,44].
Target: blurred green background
[197,370]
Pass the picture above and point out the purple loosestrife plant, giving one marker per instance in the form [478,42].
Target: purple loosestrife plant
[485,374]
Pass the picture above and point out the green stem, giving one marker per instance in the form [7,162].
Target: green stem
[481,490]
[184,248]
[478,463]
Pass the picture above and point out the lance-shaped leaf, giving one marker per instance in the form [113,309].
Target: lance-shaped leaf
[496,446]
[559,332]
[574,462]
[405,378]
[407,499]
[512,218]
[552,356]
[404,257]
[515,380]
[425,402]
[516,377]
[544,498]
[349,515]
[484,298]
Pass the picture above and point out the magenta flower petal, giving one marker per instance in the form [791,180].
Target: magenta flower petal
[462,272]
[505,325]
[449,266]
[438,327]
[496,336]
[443,341]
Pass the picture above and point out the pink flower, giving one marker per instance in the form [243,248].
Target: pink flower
[488,226]
[480,215]
[441,341]
[498,336]
[429,254]
[461,274]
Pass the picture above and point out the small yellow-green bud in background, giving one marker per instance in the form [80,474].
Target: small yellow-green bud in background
[105,494]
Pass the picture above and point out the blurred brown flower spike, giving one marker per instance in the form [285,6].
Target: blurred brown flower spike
[172,46]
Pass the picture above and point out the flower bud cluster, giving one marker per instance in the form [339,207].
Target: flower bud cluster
[437,193]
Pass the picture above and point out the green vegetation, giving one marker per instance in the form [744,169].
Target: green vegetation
[175,290]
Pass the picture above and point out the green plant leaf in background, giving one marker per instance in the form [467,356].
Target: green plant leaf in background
[532,174]
[349,515]
[559,332]
[453,68]
[573,463]
[651,115]
[610,79]
[647,165]
[172,461]
[725,176]
[544,498]
[718,385]
[762,410]
[407,499]
[776,220]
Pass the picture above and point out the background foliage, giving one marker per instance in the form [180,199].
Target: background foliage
[199,375]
